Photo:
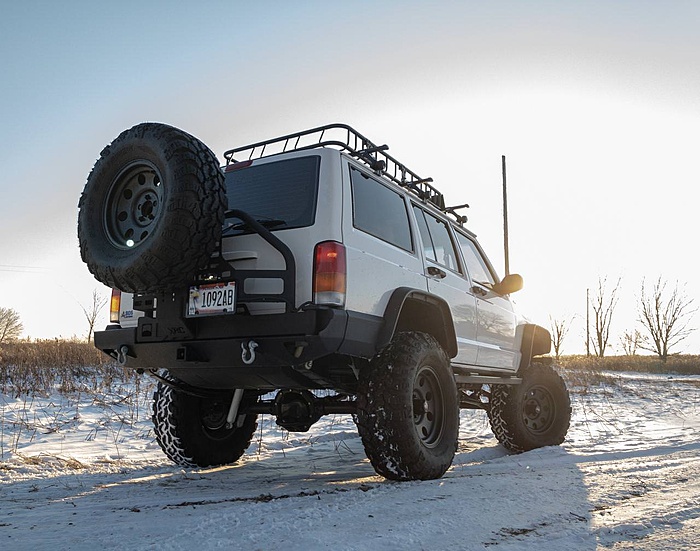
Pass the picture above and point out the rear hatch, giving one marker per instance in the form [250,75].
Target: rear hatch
[298,197]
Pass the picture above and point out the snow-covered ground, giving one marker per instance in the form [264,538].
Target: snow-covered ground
[84,472]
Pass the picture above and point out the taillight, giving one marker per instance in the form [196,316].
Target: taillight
[329,273]
[237,166]
[115,305]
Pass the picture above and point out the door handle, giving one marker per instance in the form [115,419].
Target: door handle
[436,272]
[479,291]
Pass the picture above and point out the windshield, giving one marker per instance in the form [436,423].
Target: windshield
[280,195]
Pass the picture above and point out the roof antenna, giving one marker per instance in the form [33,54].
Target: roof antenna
[505,215]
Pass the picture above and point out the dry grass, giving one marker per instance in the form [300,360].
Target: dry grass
[678,365]
[584,373]
[32,371]
[31,367]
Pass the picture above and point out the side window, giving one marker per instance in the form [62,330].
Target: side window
[476,265]
[437,242]
[379,211]
[428,248]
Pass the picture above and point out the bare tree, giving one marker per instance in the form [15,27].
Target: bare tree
[665,315]
[93,311]
[603,305]
[560,327]
[10,325]
[632,341]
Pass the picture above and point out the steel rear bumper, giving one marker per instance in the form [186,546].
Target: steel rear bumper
[244,342]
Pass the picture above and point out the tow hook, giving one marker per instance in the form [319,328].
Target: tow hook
[122,354]
[248,352]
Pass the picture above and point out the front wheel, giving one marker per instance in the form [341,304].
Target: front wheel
[533,414]
[408,409]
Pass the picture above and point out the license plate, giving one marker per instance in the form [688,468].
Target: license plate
[212,299]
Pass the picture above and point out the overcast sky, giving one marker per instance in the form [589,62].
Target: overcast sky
[596,106]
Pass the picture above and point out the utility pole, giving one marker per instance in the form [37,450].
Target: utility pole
[588,330]
[505,215]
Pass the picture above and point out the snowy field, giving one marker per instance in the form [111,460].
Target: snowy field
[84,472]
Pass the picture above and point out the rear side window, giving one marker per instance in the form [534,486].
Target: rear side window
[379,211]
[281,195]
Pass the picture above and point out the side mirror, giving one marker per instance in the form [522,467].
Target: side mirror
[509,284]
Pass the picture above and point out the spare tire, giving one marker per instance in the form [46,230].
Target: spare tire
[151,213]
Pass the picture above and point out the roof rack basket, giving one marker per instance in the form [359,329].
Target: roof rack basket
[348,139]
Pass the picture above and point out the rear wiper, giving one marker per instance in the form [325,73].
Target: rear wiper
[267,222]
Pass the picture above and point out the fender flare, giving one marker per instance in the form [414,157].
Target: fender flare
[535,341]
[399,316]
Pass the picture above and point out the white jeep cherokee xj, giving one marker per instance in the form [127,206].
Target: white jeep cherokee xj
[317,267]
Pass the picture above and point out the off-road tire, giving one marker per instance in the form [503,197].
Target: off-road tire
[152,209]
[408,409]
[533,414]
[191,430]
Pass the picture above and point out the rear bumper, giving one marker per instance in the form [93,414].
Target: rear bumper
[252,347]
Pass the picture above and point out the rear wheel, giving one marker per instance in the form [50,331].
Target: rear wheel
[533,414]
[408,409]
[152,209]
[192,430]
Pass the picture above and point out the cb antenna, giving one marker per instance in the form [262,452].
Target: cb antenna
[505,215]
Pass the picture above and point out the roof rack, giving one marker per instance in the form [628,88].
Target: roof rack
[348,139]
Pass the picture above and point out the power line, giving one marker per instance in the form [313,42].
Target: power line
[23,269]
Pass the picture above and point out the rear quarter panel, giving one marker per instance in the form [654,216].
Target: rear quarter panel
[375,268]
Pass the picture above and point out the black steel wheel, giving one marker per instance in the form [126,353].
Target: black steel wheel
[134,205]
[428,406]
[408,409]
[539,409]
[152,210]
[533,414]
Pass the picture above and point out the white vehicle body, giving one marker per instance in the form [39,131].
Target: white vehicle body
[485,321]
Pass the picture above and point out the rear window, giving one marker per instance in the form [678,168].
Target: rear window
[281,195]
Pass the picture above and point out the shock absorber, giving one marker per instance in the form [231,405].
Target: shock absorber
[233,410]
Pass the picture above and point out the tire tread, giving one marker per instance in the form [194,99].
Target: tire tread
[164,265]
[384,421]
[175,421]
